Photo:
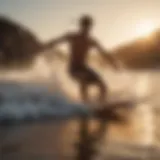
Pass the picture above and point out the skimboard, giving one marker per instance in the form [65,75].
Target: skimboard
[114,110]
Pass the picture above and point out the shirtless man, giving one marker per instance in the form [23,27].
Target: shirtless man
[80,43]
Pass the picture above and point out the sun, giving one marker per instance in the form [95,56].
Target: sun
[145,28]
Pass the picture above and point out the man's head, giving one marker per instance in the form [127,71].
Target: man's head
[85,23]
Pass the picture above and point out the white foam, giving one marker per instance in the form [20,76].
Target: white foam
[29,101]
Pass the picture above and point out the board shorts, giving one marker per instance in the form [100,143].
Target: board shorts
[84,73]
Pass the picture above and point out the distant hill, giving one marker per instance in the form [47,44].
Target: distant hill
[18,45]
[143,53]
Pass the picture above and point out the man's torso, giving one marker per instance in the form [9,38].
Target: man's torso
[79,49]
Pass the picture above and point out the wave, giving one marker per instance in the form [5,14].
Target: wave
[26,102]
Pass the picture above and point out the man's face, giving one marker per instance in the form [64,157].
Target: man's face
[86,28]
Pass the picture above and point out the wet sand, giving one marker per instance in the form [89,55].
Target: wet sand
[74,139]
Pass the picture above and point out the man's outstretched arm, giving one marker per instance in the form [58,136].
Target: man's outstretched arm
[107,56]
[56,41]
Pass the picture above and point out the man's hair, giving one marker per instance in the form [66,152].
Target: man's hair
[86,20]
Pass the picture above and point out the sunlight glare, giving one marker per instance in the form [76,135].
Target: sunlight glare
[145,28]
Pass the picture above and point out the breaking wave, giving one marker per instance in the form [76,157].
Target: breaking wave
[22,102]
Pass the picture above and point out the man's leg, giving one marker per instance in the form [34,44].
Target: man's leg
[80,76]
[84,91]
[89,77]
[98,82]
[103,90]
[86,77]
[84,86]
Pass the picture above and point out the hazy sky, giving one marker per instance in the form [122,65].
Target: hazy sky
[117,21]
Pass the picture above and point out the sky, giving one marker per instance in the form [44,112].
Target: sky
[116,21]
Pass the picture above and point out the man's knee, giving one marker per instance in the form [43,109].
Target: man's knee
[101,85]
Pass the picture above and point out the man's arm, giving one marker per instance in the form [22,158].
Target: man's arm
[107,56]
[56,41]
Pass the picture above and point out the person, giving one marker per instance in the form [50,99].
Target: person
[80,43]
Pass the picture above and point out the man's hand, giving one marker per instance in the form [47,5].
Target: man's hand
[115,63]
[119,65]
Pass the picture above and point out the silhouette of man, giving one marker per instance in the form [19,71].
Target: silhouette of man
[80,43]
